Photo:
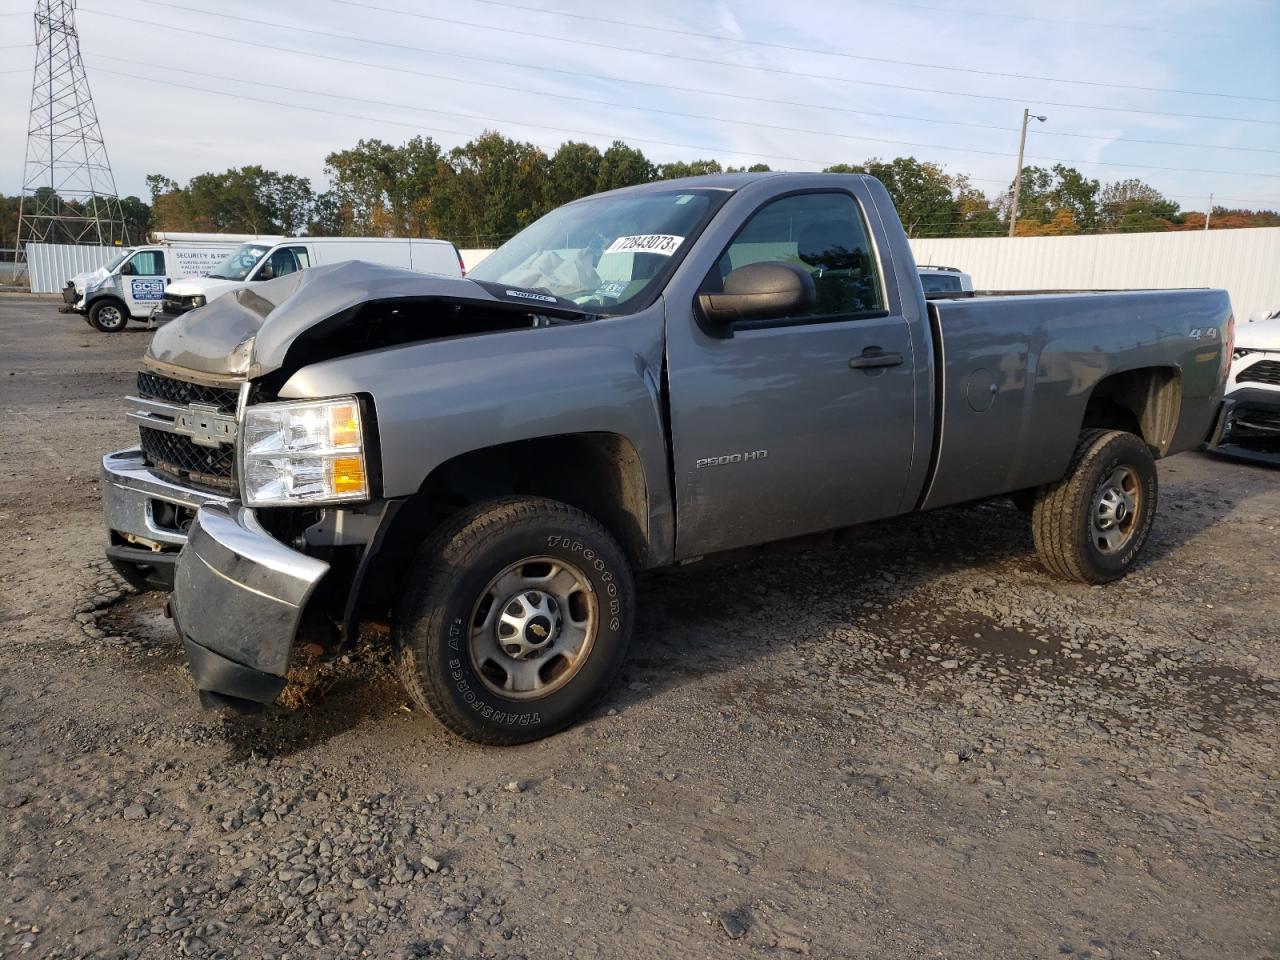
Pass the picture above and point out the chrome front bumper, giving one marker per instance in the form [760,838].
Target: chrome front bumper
[238,593]
[146,517]
[238,599]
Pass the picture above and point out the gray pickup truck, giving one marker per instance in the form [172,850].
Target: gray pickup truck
[637,380]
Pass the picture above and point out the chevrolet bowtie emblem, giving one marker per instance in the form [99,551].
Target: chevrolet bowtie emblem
[538,629]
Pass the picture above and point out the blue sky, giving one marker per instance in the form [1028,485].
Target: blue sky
[848,80]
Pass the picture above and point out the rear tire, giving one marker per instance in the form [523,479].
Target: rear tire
[1092,524]
[108,316]
[516,618]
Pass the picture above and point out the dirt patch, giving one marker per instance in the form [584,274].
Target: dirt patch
[1048,770]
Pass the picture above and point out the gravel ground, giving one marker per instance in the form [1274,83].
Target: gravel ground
[915,745]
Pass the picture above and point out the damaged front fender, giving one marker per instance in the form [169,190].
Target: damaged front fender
[238,598]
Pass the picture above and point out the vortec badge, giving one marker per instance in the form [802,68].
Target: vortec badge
[524,295]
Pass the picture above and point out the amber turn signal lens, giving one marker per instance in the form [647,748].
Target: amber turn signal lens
[344,425]
[347,475]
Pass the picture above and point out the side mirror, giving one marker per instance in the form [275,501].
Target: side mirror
[267,272]
[759,291]
[127,269]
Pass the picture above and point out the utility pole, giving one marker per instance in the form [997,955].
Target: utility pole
[68,191]
[1208,213]
[1017,177]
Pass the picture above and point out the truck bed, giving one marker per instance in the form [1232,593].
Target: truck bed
[1014,367]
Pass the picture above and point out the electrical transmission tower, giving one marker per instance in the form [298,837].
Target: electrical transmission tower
[68,191]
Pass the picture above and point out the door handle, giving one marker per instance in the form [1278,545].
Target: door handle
[875,357]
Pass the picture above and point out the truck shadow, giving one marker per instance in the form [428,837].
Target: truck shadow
[711,618]
[703,620]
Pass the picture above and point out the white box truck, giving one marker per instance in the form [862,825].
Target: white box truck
[266,260]
[131,284]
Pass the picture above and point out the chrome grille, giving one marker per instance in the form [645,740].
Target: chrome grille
[183,460]
[156,387]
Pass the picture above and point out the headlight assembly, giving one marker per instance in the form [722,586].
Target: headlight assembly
[198,301]
[307,451]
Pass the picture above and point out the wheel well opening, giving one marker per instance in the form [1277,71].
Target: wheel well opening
[599,473]
[1143,402]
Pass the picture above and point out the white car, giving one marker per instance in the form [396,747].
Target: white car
[268,259]
[944,281]
[1249,424]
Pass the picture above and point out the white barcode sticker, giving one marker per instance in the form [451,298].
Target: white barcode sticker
[663,243]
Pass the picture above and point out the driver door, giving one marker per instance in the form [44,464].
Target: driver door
[788,425]
[144,284]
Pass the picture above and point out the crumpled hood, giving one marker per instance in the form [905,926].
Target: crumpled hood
[246,333]
[82,280]
[1259,335]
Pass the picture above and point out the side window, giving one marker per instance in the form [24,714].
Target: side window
[826,235]
[148,263]
[283,262]
[939,283]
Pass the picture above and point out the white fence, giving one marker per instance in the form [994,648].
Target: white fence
[51,265]
[1244,262]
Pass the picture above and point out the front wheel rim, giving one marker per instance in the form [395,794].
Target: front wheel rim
[1116,509]
[109,317]
[533,628]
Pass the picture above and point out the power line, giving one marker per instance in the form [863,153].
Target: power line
[826,53]
[970,12]
[596,133]
[682,90]
[613,48]
[700,116]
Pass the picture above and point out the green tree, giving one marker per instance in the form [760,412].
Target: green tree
[623,166]
[8,223]
[1077,194]
[137,218]
[383,190]
[921,192]
[1134,206]
[573,173]
[495,190]
[692,168]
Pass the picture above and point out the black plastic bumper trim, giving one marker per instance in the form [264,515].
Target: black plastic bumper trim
[144,569]
[227,680]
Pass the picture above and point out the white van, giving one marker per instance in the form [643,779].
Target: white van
[263,260]
[131,284]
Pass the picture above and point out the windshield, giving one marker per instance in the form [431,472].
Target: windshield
[118,259]
[610,254]
[238,265]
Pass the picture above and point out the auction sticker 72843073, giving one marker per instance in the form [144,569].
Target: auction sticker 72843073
[663,243]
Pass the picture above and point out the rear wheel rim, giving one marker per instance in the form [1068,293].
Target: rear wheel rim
[1116,509]
[533,628]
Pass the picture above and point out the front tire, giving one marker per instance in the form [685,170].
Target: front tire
[1092,524]
[108,316]
[516,618]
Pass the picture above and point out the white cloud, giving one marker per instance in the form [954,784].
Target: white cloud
[150,127]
